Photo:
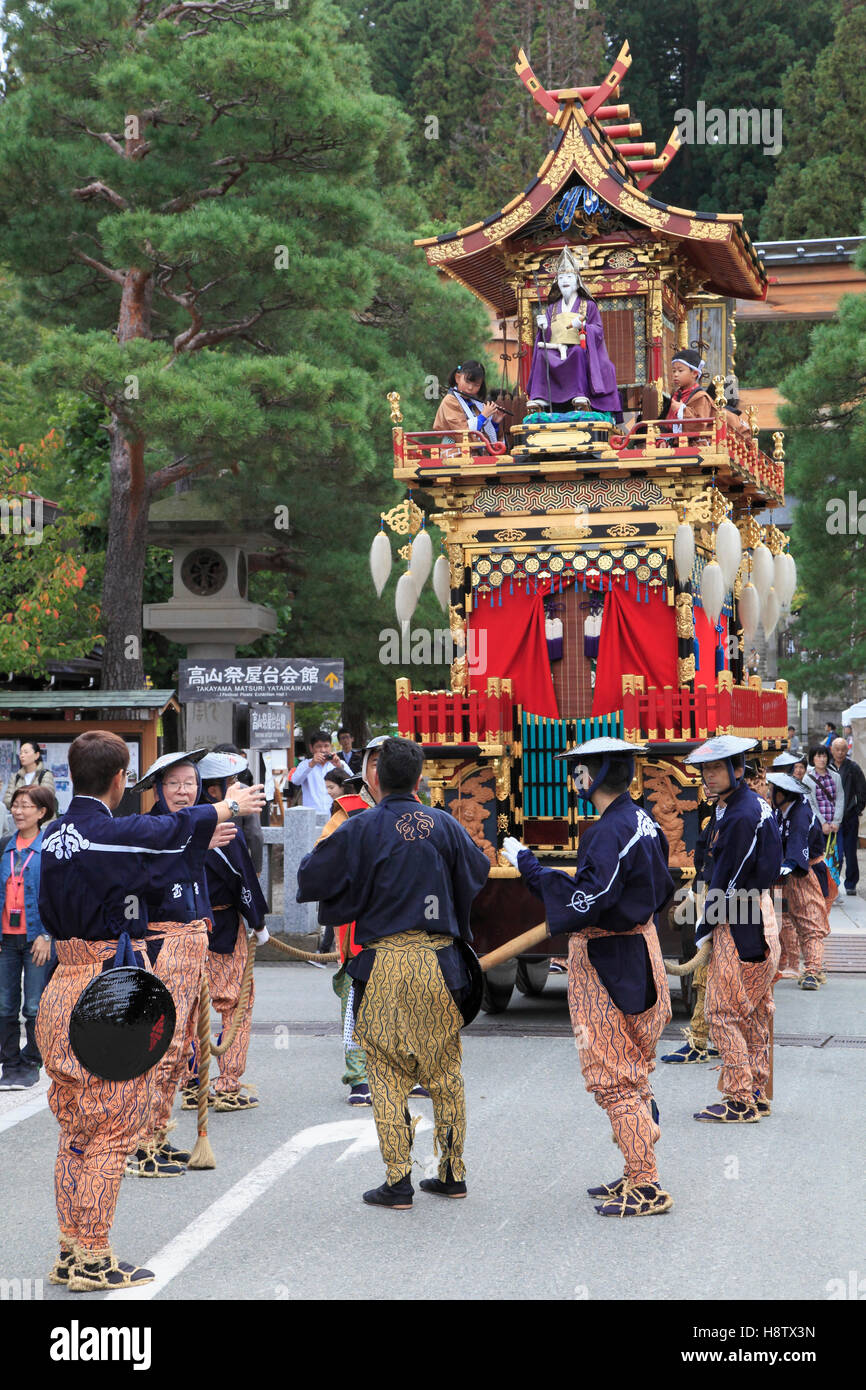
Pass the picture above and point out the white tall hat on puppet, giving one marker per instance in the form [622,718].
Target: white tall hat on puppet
[569,261]
[162,765]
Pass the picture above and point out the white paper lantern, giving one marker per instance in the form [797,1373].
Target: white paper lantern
[762,571]
[712,591]
[442,581]
[787,583]
[380,561]
[729,551]
[421,558]
[779,568]
[771,611]
[684,552]
[406,598]
[749,609]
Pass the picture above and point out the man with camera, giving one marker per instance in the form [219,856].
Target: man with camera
[310,772]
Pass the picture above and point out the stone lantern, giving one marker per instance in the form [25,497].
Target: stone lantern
[209,612]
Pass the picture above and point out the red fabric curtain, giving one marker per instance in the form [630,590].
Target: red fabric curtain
[708,641]
[639,638]
[508,640]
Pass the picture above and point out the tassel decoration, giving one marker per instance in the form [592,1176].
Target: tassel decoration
[380,560]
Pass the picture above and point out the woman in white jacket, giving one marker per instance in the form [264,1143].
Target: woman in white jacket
[824,789]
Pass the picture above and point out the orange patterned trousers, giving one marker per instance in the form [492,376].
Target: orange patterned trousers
[739,1006]
[100,1121]
[181,966]
[617,1050]
[224,975]
[805,923]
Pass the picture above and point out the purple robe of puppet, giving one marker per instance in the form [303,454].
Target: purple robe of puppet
[584,372]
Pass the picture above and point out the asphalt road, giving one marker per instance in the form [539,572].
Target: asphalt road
[765,1211]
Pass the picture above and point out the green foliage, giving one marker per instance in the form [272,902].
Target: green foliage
[827,417]
[819,186]
[768,351]
[264,198]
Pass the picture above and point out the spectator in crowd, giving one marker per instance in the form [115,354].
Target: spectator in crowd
[824,789]
[26,949]
[32,769]
[829,733]
[250,825]
[310,772]
[798,769]
[854,792]
[794,744]
[350,755]
[335,781]
[849,737]
[753,665]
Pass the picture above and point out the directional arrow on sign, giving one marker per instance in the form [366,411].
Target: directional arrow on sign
[332,679]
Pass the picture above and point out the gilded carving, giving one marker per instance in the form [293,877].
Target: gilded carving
[393,398]
[473,796]
[622,530]
[405,519]
[668,810]
[458,676]
[509,534]
[447,251]
[685,670]
[685,618]
[510,222]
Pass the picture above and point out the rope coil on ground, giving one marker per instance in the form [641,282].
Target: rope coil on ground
[303,955]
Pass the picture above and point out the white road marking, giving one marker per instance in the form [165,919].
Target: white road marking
[14,1116]
[173,1258]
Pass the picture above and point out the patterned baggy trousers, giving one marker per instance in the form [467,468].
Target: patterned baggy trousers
[101,1122]
[740,1006]
[617,1050]
[224,976]
[409,1028]
[181,966]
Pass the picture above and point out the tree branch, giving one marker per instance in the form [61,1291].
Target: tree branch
[97,189]
[116,275]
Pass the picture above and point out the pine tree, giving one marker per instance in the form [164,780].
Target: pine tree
[827,416]
[819,184]
[216,202]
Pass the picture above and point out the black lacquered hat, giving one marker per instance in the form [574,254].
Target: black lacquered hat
[123,1021]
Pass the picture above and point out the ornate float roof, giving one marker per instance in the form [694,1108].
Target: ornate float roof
[715,243]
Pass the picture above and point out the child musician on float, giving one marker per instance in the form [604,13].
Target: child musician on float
[617,987]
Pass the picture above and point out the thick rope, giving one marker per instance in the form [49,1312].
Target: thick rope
[202,1155]
[303,955]
[673,967]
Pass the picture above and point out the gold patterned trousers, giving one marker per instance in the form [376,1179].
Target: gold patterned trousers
[700,1028]
[409,1028]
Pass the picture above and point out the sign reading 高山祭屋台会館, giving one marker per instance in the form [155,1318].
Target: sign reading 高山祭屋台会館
[274,678]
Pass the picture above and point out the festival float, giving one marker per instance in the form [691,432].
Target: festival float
[603,570]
